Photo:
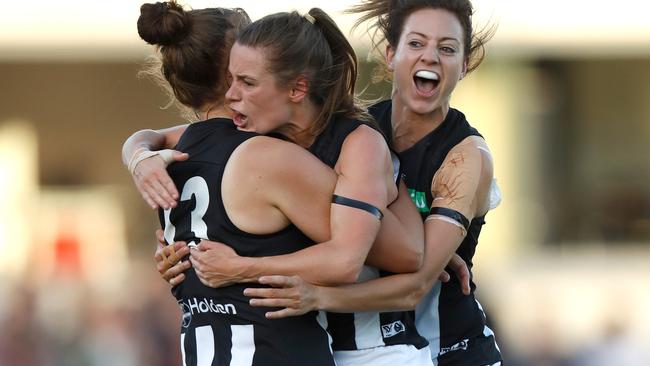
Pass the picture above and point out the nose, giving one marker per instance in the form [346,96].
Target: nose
[232,94]
[430,55]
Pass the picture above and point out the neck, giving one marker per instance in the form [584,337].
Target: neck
[216,110]
[410,127]
[298,129]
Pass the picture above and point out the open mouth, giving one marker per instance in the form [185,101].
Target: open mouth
[426,82]
[239,119]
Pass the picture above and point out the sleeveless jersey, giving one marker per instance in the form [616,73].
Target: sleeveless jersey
[219,327]
[362,330]
[453,323]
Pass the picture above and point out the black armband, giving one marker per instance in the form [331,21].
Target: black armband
[339,200]
[452,214]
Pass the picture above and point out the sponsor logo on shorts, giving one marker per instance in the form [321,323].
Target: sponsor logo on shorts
[462,345]
[392,329]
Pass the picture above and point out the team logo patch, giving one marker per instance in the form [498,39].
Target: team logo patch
[462,345]
[187,315]
[392,329]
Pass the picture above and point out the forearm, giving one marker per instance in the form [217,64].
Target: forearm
[392,293]
[400,291]
[321,264]
[396,249]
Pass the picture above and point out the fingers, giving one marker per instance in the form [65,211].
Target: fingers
[160,194]
[458,265]
[176,271]
[276,293]
[160,236]
[168,256]
[177,280]
[444,276]
[148,200]
[273,303]
[154,183]
[179,156]
[278,281]
[464,282]
[286,312]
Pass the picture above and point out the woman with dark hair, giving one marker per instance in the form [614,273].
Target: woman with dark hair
[448,169]
[232,182]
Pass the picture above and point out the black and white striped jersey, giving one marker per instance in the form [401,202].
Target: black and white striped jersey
[363,330]
[454,324]
[219,327]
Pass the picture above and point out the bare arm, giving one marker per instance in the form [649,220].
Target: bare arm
[399,247]
[364,174]
[460,186]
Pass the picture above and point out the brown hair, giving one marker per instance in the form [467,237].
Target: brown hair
[390,16]
[194,47]
[318,50]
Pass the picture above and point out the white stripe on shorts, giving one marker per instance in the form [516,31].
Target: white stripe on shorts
[204,345]
[243,345]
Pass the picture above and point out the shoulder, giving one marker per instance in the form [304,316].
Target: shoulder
[465,174]
[259,150]
[365,137]
[469,160]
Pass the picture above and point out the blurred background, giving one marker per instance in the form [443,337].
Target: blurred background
[562,99]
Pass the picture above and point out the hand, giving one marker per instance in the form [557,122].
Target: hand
[296,296]
[216,264]
[459,267]
[154,183]
[168,260]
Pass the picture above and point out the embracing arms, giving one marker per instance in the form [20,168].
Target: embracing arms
[461,184]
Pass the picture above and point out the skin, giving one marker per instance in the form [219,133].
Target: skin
[364,172]
[431,41]
[367,165]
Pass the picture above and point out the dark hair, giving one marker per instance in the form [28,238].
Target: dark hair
[312,46]
[194,49]
[390,16]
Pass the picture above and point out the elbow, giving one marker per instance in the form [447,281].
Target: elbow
[415,295]
[347,272]
[415,259]
[411,260]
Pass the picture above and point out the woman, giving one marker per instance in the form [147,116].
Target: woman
[448,170]
[316,91]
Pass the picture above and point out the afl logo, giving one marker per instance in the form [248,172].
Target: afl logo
[187,315]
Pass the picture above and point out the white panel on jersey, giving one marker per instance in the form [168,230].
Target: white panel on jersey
[183,348]
[487,331]
[366,324]
[322,321]
[427,320]
[204,346]
[243,345]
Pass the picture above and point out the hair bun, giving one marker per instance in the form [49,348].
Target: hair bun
[163,23]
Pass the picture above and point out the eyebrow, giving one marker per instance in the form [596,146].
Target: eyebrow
[427,37]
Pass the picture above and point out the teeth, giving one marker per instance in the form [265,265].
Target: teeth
[429,75]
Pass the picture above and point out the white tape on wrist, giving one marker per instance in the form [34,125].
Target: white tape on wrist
[142,153]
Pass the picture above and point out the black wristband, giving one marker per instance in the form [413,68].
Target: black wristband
[340,200]
[452,214]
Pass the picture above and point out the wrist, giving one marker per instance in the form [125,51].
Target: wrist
[319,302]
[249,269]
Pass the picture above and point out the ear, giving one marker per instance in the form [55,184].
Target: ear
[299,90]
[463,72]
[390,57]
